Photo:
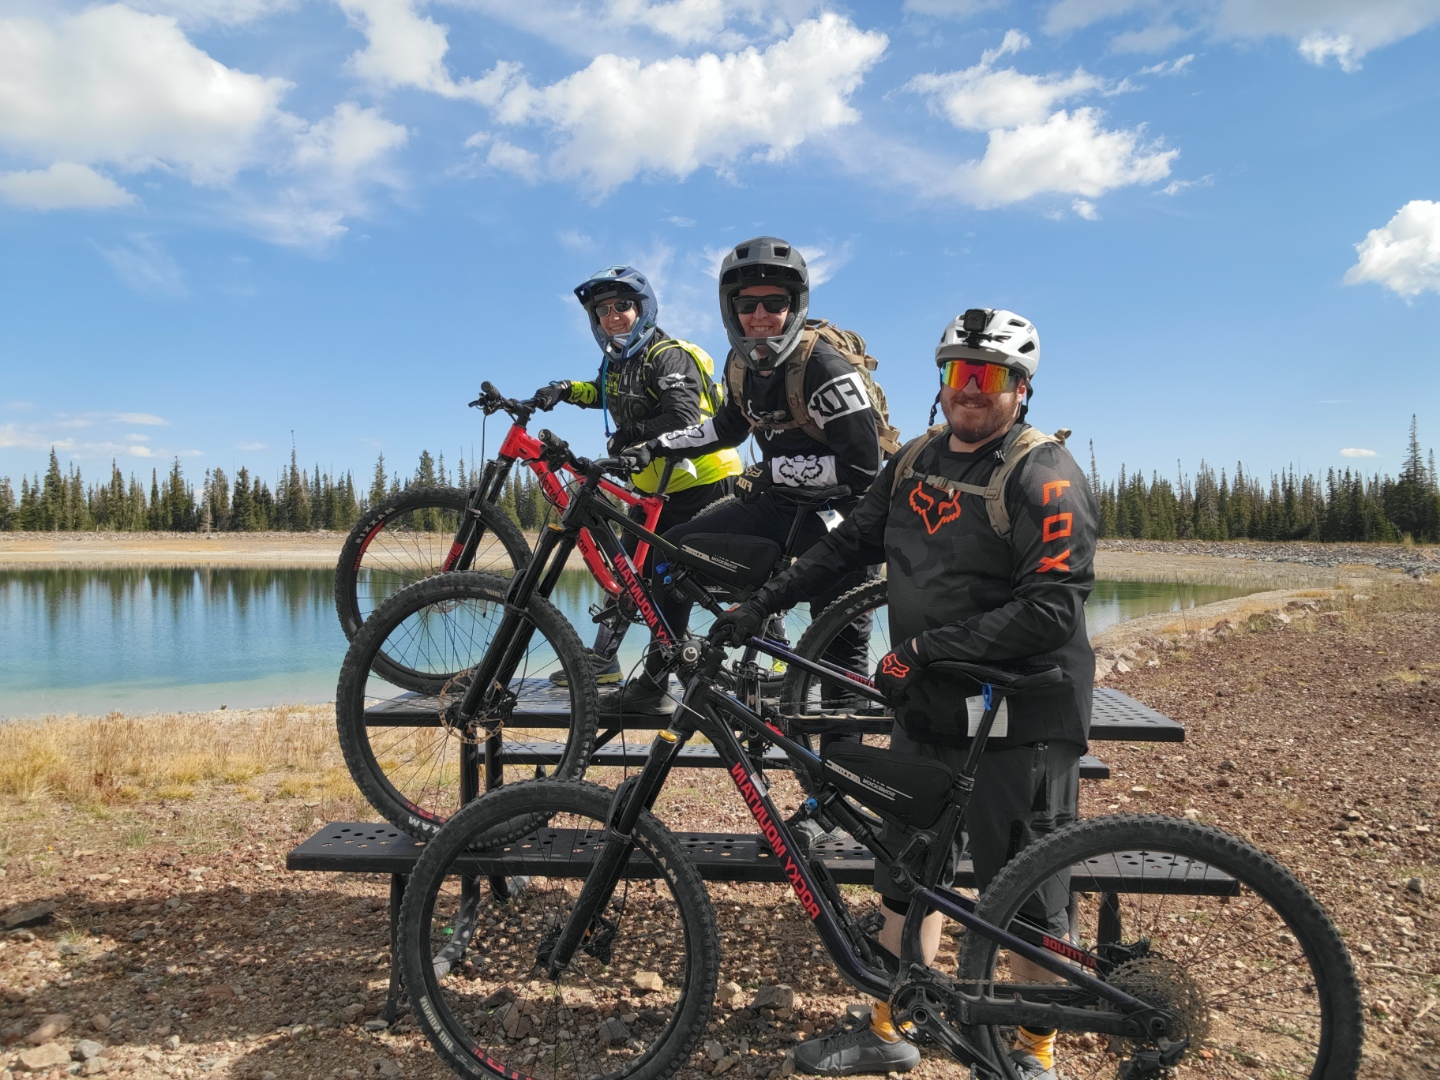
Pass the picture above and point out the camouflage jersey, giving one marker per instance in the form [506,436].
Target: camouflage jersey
[650,395]
[965,592]
[837,402]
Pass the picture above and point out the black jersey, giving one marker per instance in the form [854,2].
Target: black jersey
[837,401]
[646,395]
[966,593]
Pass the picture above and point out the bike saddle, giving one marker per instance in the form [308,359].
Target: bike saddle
[816,496]
[1003,680]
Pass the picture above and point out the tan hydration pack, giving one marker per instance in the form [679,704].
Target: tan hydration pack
[848,344]
[994,492]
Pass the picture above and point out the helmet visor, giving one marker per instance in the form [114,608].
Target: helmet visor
[990,378]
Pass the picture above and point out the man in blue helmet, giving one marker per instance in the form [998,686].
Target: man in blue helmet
[649,384]
[813,422]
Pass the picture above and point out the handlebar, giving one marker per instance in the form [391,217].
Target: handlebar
[491,401]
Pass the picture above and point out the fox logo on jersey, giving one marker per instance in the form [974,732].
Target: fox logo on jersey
[934,513]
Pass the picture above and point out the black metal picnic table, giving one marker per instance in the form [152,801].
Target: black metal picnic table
[366,847]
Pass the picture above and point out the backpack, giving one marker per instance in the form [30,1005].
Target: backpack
[848,344]
[714,396]
[994,492]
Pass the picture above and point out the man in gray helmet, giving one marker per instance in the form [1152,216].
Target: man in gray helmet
[985,578]
[764,299]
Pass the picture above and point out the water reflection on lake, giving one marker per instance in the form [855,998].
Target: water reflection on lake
[141,639]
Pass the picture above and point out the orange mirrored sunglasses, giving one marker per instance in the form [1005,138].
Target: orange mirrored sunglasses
[990,378]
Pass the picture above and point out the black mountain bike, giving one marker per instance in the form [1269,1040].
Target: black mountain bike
[475,652]
[1191,953]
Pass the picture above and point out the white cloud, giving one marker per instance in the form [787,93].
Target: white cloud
[980,98]
[823,263]
[575,240]
[145,267]
[1065,16]
[220,12]
[711,110]
[113,85]
[1084,208]
[1176,186]
[1150,39]
[1355,451]
[951,9]
[680,222]
[1169,67]
[1345,30]
[1322,30]
[63,186]
[1033,148]
[250,446]
[1404,254]
[406,48]
[514,159]
[636,26]
[348,141]
[149,419]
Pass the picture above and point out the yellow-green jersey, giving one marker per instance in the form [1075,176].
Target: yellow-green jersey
[670,388]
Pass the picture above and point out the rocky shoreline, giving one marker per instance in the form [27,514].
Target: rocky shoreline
[1417,561]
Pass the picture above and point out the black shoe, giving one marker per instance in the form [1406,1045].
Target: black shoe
[808,831]
[607,672]
[638,697]
[859,1050]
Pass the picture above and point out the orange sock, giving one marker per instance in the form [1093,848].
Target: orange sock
[880,1022]
[1040,1047]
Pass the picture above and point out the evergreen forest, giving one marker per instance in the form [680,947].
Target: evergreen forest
[1343,505]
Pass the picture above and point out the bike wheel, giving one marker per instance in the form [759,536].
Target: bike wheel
[403,756]
[408,537]
[804,694]
[633,1001]
[1209,927]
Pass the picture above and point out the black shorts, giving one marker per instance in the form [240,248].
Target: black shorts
[1021,794]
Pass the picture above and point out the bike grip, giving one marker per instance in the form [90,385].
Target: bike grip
[488,387]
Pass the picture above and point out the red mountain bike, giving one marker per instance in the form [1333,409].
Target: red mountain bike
[433,530]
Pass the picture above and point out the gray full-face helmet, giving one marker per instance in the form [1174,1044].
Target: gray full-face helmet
[764,260]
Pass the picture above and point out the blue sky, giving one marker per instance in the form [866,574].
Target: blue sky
[224,221]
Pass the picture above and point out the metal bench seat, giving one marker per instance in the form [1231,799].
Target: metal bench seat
[694,756]
[1115,716]
[358,847]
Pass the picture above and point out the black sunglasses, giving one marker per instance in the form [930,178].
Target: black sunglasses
[602,310]
[774,303]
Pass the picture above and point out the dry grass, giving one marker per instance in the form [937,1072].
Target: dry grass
[124,758]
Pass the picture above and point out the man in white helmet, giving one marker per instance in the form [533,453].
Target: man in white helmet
[988,581]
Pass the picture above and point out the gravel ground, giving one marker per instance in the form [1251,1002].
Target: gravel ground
[1416,561]
[180,946]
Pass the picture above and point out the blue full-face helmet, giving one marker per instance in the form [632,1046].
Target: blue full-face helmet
[620,282]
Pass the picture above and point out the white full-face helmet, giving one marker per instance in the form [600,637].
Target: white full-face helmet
[991,336]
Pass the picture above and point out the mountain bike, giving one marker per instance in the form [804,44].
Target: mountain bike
[425,531]
[1190,952]
[476,652]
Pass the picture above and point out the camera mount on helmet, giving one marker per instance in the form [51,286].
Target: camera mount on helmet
[765,260]
[991,336]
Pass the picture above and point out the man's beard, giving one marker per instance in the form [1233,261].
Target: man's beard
[977,427]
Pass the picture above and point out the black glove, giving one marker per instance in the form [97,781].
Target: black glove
[635,458]
[627,436]
[753,481]
[547,397]
[739,624]
[897,670]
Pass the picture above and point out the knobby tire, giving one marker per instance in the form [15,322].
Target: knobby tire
[482,1002]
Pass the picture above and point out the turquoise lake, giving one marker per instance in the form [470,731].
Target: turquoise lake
[150,639]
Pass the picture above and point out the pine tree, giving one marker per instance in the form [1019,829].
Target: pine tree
[377,484]
[7,505]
